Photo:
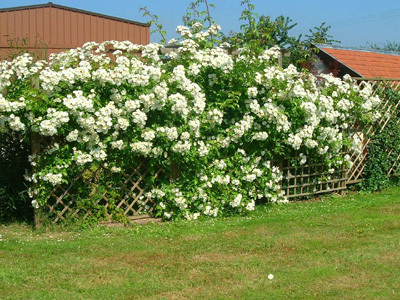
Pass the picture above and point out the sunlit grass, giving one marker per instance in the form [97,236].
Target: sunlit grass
[333,248]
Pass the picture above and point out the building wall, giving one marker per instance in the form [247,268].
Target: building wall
[53,29]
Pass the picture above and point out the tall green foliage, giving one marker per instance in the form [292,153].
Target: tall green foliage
[384,149]
[261,32]
[194,13]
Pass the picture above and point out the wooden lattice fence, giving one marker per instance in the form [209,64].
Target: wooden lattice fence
[130,198]
[98,191]
[388,111]
[311,179]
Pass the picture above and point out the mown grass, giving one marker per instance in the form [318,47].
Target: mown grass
[332,248]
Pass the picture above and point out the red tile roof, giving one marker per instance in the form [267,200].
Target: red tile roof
[367,64]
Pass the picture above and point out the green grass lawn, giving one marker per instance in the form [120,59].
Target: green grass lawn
[333,248]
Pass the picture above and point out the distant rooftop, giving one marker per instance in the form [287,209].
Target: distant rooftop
[364,62]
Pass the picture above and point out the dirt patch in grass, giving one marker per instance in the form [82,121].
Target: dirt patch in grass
[137,261]
[392,225]
[390,258]
[390,209]
[221,257]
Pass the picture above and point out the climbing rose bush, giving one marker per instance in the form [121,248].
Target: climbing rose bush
[222,121]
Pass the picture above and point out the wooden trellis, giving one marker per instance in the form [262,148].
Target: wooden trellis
[311,179]
[127,195]
[388,110]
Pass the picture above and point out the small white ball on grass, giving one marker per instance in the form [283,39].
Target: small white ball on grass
[270,276]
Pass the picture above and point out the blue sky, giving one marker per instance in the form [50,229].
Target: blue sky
[354,22]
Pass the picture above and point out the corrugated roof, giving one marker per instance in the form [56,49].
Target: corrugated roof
[367,63]
[51,4]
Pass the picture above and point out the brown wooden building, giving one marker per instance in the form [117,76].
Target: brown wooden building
[51,28]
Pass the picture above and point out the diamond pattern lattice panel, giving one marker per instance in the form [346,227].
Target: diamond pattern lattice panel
[388,111]
[97,191]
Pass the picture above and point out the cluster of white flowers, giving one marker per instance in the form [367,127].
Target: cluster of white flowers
[79,102]
[209,211]
[182,147]
[236,201]
[54,120]
[20,68]
[273,52]
[220,164]
[171,133]
[14,122]
[184,31]
[82,158]
[260,136]
[252,92]
[54,179]
[143,148]
[221,179]
[215,116]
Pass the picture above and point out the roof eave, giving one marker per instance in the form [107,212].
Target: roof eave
[334,58]
[50,4]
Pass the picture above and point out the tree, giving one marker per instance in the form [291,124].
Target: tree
[266,33]
[387,46]
[257,32]
[301,52]
[261,32]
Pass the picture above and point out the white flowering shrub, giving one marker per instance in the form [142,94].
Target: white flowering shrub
[221,120]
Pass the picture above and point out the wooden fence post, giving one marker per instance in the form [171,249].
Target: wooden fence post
[280,59]
[279,164]
[35,148]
